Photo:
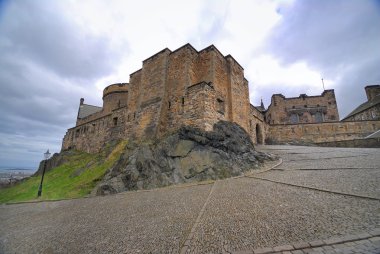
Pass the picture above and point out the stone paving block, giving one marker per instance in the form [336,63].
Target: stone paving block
[350,244]
[263,250]
[374,239]
[283,248]
[347,252]
[339,246]
[243,252]
[363,241]
[348,238]
[297,252]
[315,252]
[317,243]
[318,249]
[362,236]
[334,240]
[301,245]
[307,250]
[286,252]
[327,247]
[375,232]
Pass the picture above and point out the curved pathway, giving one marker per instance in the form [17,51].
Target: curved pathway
[319,200]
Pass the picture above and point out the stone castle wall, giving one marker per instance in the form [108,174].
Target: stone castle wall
[303,109]
[183,87]
[257,126]
[200,88]
[321,132]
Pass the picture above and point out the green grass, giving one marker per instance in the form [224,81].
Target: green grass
[74,179]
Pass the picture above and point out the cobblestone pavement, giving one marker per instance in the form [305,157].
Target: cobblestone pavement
[348,170]
[319,200]
[136,222]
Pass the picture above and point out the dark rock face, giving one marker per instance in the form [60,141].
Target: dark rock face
[189,155]
[56,160]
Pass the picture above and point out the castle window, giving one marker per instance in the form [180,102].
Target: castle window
[114,121]
[220,106]
[128,118]
[294,107]
[169,105]
[305,106]
[318,117]
[183,101]
[134,116]
[294,118]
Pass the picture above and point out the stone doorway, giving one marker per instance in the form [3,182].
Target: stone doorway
[259,134]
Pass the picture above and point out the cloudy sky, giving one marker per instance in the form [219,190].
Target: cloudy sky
[52,53]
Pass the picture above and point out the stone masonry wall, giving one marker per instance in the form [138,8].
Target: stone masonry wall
[303,109]
[177,80]
[152,90]
[88,137]
[238,94]
[321,132]
[257,126]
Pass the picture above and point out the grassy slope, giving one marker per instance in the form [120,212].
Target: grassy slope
[74,179]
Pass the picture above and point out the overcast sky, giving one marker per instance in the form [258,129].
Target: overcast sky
[52,53]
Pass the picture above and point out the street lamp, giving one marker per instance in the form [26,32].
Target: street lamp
[46,155]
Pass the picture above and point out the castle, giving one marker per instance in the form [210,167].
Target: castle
[200,88]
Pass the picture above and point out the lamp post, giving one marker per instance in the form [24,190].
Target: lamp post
[46,155]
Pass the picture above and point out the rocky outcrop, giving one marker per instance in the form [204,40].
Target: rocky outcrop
[188,155]
[56,160]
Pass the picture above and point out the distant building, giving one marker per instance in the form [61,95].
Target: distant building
[369,110]
[303,109]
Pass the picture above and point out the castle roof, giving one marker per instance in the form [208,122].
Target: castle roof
[86,110]
[364,106]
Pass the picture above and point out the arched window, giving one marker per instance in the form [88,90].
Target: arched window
[318,117]
[293,118]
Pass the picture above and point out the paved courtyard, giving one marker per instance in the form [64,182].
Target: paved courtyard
[319,200]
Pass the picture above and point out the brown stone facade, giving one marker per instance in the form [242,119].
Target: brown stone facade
[303,109]
[172,89]
[199,88]
[321,132]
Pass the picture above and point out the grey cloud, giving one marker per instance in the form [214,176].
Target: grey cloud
[47,63]
[38,31]
[339,38]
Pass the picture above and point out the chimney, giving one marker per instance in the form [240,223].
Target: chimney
[372,91]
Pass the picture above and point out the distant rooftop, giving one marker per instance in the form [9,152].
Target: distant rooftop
[364,106]
[86,110]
